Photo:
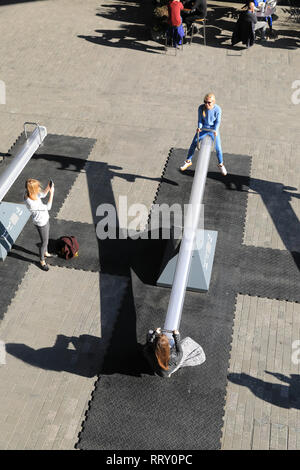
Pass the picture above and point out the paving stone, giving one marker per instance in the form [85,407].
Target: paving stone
[78,83]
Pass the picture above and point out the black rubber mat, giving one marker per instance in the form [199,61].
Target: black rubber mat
[131,408]
[60,158]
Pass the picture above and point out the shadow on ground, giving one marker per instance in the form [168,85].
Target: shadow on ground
[283,396]
[77,355]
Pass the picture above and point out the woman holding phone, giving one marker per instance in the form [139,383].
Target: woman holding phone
[40,215]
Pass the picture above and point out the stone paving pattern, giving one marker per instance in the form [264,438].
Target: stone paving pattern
[88,69]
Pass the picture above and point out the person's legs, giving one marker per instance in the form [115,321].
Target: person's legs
[219,149]
[192,149]
[263,31]
[180,34]
[170,35]
[270,23]
[44,236]
[263,26]
[220,155]
[176,38]
[189,19]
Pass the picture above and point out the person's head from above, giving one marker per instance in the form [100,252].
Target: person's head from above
[162,351]
[251,6]
[33,188]
[209,100]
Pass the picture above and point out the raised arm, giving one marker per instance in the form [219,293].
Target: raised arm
[200,116]
[49,203]
[176,336]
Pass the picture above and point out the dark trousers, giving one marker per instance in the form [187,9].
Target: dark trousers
[189,19]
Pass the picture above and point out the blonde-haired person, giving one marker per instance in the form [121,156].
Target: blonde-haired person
[40,215]
[209,117]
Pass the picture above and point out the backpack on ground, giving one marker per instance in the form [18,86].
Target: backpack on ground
[68,247]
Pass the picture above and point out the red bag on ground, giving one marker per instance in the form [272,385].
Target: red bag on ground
[68,247]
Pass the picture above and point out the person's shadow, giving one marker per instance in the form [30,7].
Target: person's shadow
[86,355]
[277,200]
[129,37]
[284,396]
[81,356]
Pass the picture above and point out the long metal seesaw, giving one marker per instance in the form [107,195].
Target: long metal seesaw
[32,143]
[174,312]
[14,216]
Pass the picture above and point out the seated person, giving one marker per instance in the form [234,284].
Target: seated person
[175,22]
[244,28]
[162,356]
[198,11]
[267,19]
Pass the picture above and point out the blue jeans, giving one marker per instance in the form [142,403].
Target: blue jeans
[201,136]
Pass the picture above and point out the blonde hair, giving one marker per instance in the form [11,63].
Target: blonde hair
[208,95]
[33,188]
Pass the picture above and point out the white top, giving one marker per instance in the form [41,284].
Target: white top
[39,211]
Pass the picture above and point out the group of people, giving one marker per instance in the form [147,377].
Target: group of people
[248,23]
[187,11]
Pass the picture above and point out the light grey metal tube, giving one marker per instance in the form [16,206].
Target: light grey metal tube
[9,176]
[191,223]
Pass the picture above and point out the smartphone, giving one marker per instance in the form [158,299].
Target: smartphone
[51,183]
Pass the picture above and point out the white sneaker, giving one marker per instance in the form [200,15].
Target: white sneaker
[187,163]
[222,169]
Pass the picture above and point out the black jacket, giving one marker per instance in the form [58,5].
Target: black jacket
[198,7]
[175,354]
[244,29]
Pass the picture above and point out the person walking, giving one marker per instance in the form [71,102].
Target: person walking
[40,215]
[209,120]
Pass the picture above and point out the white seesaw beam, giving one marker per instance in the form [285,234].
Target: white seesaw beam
[11,173]
[173,316]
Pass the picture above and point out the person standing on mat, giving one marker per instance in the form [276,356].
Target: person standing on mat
[209,117]
[163,357]
[40,215]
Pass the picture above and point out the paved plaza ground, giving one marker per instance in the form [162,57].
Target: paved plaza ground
[89,69]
